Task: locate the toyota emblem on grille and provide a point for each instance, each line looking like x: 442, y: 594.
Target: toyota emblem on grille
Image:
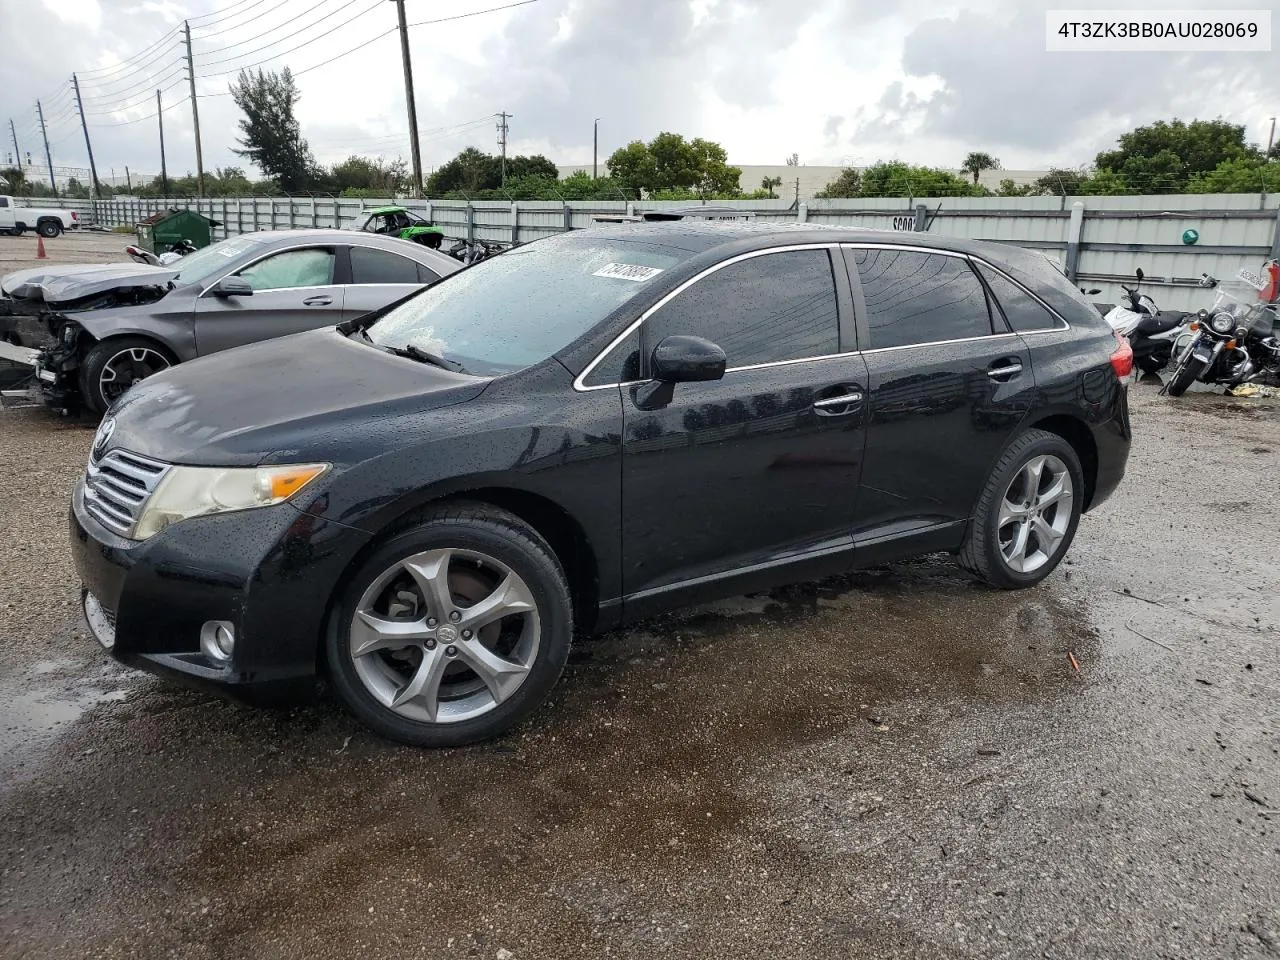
x: 103, y: 436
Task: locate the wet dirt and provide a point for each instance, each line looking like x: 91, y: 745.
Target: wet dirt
x: 897, y: 763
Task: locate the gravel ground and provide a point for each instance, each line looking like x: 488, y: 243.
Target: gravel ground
x: 893, y: 764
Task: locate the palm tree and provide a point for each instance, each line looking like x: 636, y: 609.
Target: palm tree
x: 975, y: 163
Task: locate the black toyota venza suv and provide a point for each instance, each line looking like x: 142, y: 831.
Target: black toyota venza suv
x: 425, y: 506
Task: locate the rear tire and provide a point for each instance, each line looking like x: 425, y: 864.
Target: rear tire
x: 1188, y: 372
x: 49, y: 229
x: 1027, y: 514
x: 425, y: 679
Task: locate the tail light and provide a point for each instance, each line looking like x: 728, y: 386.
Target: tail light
x: 1271, y: 291
x: 1122, y: 357
x: 74, y: 215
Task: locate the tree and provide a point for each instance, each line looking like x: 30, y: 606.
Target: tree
x: 376, y: 178
x: 473, y: 171
x: 1165, y: 156
x: 1010, y: 189
x: 1241, y: 175
x: 898, y: 179
x: 271, y: 137
x: 769, y: 183
x: 846, y: 186
x: 669, y: 163
x: 1061, y: 182
x: 975, y: 163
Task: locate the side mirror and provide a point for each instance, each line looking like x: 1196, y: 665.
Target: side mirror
x: 687, y: 360
x: 232, y: 287
x: 675, y: 360
x: 1139, y: 274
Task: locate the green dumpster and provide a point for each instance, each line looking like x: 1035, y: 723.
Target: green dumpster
x: 161, y: 231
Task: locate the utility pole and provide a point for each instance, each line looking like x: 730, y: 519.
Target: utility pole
x: 84, y: 125
x: 128, y: 181
x: 164, y: 173
x: 48, y: 157
x: 502, y: 142
x: 414, y: 147
x: 797, y: 191
x: 1270, y: 137
x: 595, y: 150
x: 195, y: 112
x: 17, y: 151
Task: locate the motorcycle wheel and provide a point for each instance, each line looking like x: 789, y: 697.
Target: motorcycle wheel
x: 1188, y: 372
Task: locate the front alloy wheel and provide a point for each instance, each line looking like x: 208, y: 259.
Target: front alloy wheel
x: 453, y: 630
x: 445, y: 635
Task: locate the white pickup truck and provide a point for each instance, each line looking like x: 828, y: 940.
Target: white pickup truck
x: 46, y: 221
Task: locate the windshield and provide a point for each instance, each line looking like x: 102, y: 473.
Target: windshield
x: 203, y: 264
x: 519, y: 308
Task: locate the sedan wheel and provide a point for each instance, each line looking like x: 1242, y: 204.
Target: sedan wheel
x: 453, y: 630
x: 112, y: 366
x: 1027, y: 514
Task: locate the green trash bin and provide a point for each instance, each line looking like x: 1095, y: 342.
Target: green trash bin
x: 161, y: 231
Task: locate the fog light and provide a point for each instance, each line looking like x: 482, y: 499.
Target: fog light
x: 218, y: 640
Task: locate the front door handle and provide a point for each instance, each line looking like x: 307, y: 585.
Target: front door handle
x: 1004, y: 370
x: 838, y: 406
x: 318, y: 301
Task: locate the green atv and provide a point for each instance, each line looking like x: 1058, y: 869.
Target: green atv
x: 405, y: 224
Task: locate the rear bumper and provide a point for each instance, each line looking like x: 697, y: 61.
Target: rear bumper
x: 1112, y: 438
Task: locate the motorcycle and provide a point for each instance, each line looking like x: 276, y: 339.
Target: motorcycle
x: 175, y: 252
x: 1151, y: 331
x: 1234, y: 341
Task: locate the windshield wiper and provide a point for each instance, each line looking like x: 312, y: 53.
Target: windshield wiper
x: 424, y: 356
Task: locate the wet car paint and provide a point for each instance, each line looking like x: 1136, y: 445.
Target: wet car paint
x: 649, y: 509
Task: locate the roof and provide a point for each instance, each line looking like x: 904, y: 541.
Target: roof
x: 358, y: 237
x: 381, y: 210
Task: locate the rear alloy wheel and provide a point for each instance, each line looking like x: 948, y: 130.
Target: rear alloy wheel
x: 459, y: 628
x: 1027, y: 514
x: 49, y: 229
x: 114, y: 365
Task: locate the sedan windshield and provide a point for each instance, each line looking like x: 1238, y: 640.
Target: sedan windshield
x: 203, y: 264
x: 521, y: 307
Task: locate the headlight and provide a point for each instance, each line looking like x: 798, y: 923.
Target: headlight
x: 194, y: 491
x: 1222, y: 323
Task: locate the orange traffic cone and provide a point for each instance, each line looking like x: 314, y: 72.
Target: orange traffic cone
x: 40, y: 254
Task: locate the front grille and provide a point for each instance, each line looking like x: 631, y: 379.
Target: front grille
x: 117, y: 486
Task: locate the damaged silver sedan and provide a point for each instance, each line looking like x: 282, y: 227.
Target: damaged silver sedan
x: 101, y: 329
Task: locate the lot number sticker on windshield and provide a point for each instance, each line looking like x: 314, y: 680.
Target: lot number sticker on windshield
x: 628, y: 271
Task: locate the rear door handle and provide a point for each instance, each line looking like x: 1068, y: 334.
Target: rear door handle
x: 1006, y: 370
x: 318, y: 301
x: 838, y: 406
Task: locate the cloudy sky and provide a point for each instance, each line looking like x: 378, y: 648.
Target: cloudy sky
x: 835, y: 81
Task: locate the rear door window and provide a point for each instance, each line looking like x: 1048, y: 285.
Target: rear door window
x: 915, y: 297
x: 778, y: 306
x: 1022, y: 310
x: 380, y: 266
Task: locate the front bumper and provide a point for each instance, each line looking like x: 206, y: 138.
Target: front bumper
x: 269, y: 572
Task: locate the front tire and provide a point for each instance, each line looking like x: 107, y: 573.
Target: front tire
x: 452, y: 631
x: 114, y: 365
x: 1188, y: 372
x: 49, y: 229
x: 1027, y: 514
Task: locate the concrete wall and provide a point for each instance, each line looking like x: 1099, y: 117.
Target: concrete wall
x: 1113, y: 237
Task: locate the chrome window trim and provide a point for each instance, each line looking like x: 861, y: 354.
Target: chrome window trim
x: 271, y: 253
x: 941, y: 343
x: 578, y: 381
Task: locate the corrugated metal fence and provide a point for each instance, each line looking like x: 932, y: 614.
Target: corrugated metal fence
x: 1099, y: 240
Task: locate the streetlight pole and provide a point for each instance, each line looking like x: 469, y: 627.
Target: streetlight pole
x: 595, y: 149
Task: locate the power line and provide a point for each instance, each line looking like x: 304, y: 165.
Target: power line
x: 224, y: 14
x: 146, y: 88
x: 126, y: 65
x: 243, y: 23
x: 302, y: 29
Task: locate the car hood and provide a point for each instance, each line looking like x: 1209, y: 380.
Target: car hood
x: 64, y: 283
x: 305, y: 398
